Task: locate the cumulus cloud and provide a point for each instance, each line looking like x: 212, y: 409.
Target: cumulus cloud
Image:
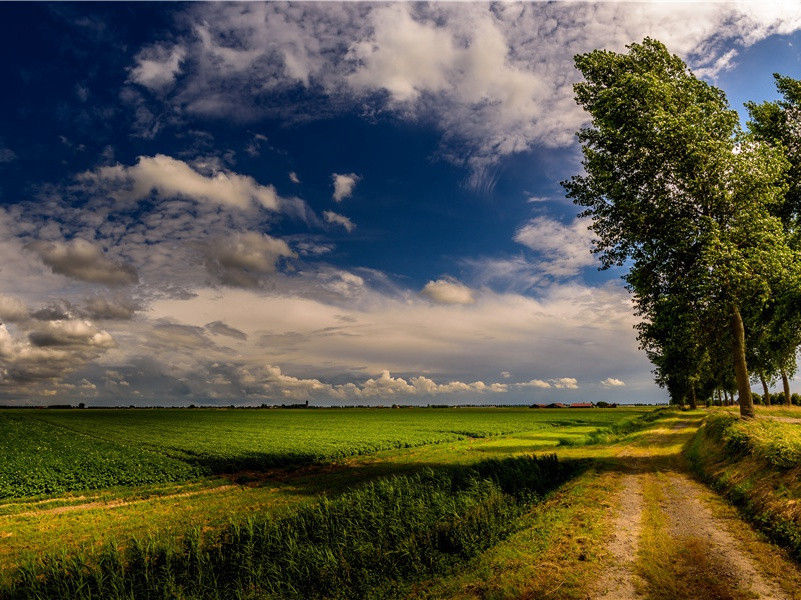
x: 241, y: 260
x: 83, y: 260
x: 563, y: 249
x: 494, y: 79
x: 344, y: 185
x: 220, y: 328
x: 332, y: 217
x: 70, y: 333
x: 169, y: 177
x: 612, y: 382
x: 565, y: 383
x: 448, y: 291
x: 50, y: 352
x: 535, y: 383
x: 157, y: 66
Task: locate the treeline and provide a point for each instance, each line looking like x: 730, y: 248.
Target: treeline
x: 703, y: 214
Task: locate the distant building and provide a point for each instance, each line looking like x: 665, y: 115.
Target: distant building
x: 581, y: 405
x: 555, y: 405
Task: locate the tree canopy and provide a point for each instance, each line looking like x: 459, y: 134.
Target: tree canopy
x: 679, y: 194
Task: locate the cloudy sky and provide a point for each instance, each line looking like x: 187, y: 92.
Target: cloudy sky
x: 341, y: 203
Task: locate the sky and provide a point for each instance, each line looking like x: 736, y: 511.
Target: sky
x: 345, y: 203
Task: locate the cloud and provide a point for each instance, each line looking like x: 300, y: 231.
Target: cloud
x: 157, y: 66
x: 535, y: 383
x: 332, y: 217
x: 564, y: 249
x: 169, y: 177
x: 448, y: 291
x: 564, y: 383
x: 70, y: 333
x: 293, y: 177
x: 241, y: 260
x: 51, y: 352
x: 220, y: 328
x: 12, y: 309
x: 611, y: 382
x: 344, y: 185
x: 492, y: 79
x: 180, y: 336
x: 83, y: 260
x: 114, y: 307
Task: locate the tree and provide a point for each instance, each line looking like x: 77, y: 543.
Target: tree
x: 677, y: 193
x: 779, y: 124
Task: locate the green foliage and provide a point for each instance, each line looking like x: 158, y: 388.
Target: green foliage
x: 367, y: 543
x: 53, y: 451
x: 679, y: 193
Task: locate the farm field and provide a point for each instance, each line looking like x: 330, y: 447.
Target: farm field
x: 619, y: 472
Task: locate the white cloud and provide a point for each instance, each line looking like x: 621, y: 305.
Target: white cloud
x: 332, y: 217
x: 169, y: 177
x: 564, y: 249
x: 493, y: 78
x: 565, y: 383
x: 536, y: 383
x: 344, y: 185
x: 157, y: 66
x: 242, y: 259
x: 612, y: 382
x: 448, y: 291
x: 83, y: 260
x: 293, y: 177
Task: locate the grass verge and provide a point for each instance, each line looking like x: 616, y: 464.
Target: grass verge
x: 751, y: 464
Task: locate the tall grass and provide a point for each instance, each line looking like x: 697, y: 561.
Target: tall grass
x: 778, y: 443
x: 367, y: 543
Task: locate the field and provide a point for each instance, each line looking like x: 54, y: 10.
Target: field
x: 56, y: 451
x: 385, y: 503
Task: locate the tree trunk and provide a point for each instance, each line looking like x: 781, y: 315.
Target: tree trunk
x: 740, y: 367
x: 693, y: 399
x: 786, y: 384
x: 766, y: 397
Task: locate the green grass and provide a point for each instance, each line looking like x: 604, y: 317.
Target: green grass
x: 368, y: 543
x: 756, y: 465
x: 776, y: 442
x: 53, y: 451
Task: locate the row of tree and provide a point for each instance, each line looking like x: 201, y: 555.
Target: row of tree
x: 705, y: 215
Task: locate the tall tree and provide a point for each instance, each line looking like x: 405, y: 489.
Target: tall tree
x: 675, y: 193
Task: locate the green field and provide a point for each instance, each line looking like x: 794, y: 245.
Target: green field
x: 468, y: 503
x: 53, y: 451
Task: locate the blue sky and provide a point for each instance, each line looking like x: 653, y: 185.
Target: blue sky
x: 345, y: 203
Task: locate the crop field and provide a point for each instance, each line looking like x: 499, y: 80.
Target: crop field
x: 53, y: 451
x: 378, y: 503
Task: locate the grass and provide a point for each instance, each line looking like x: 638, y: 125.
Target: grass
x: 367, y: 543
x: 755, y: 465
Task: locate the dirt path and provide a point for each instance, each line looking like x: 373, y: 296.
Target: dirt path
x: 618, y: 582
x: 669, y: 539
x: 690, y: 517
